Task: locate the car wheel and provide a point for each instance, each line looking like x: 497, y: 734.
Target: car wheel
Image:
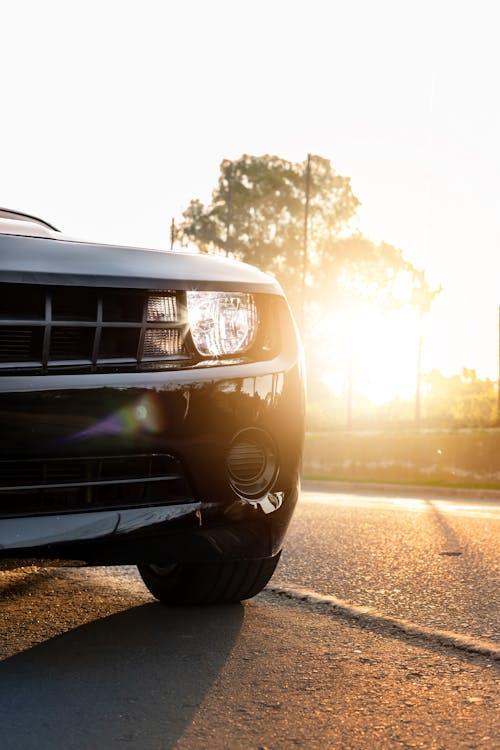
x: 208, y: 583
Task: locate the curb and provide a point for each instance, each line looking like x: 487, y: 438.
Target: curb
x: 403, y: 490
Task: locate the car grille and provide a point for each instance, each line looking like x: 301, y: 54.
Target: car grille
x: 73, y: 329
x: 69, y: 485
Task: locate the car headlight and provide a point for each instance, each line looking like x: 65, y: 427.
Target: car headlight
x: 222, y: 323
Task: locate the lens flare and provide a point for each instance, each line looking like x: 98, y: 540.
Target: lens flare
x: 142, y: 416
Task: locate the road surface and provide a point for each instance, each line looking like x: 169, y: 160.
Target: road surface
x: 377, y: 631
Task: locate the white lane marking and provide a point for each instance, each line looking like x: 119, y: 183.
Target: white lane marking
x: 400, y: 503
x: 324, y: 602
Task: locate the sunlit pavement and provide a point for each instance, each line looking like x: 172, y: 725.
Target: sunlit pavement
x: 90, y: 661
x: 428, y: 560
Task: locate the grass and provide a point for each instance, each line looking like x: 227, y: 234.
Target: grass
x: 396, y: 483
x: 468, y: 459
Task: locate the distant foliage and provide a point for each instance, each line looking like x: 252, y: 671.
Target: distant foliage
x: 460, y: 400
x: 457, y: 401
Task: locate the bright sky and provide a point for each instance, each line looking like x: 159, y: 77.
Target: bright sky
x: 115, y: 114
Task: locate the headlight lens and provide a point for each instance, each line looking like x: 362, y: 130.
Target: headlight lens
x: 222, y: 323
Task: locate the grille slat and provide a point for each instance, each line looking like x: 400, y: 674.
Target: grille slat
x: 74, y: 329
x: 36, y: 487
x: 71, y: 343
x: 97, y: 483
x: 20, y: 344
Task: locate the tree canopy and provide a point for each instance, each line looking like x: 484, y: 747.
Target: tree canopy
x: 257, y: 214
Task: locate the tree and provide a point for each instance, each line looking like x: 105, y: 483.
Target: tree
x: 257, y: 212
x: 257, y: 215
x: 354, y: 269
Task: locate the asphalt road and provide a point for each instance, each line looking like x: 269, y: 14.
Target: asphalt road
x: 428, y: 559
x: 377, y: 631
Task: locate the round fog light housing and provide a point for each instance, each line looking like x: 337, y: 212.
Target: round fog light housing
x: 252, y: 463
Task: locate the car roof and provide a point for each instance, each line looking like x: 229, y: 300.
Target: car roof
x: 19, y: 222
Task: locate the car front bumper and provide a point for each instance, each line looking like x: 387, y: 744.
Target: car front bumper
x: 192, y: 415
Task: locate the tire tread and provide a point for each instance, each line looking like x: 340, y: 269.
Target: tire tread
x: 210, y: 583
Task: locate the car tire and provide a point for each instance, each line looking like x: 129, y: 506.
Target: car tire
x: 208, y: 583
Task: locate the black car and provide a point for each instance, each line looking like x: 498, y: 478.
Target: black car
x: 151, y: 412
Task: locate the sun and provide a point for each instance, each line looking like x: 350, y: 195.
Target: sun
x: 373, y: 351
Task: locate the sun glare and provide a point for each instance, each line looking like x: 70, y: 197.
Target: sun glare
x: 373, y: 352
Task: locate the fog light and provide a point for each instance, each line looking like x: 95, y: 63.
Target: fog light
x: 162, y: 307
x: 162, y: 342
x: 252, y: 463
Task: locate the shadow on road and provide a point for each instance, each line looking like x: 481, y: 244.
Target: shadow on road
x: 133, y: 679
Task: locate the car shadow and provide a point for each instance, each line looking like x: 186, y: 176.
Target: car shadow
x: 133, y: 679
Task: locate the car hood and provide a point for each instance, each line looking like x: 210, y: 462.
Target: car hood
x: 36, y: 260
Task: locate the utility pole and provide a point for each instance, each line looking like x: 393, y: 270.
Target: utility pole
x: 419, y: 369
x: 498, y: 395
x: 306, y: 239
x: 229, y: 209
x: 172, y: 235
x: 350, y: 383
x: 422, y: 298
